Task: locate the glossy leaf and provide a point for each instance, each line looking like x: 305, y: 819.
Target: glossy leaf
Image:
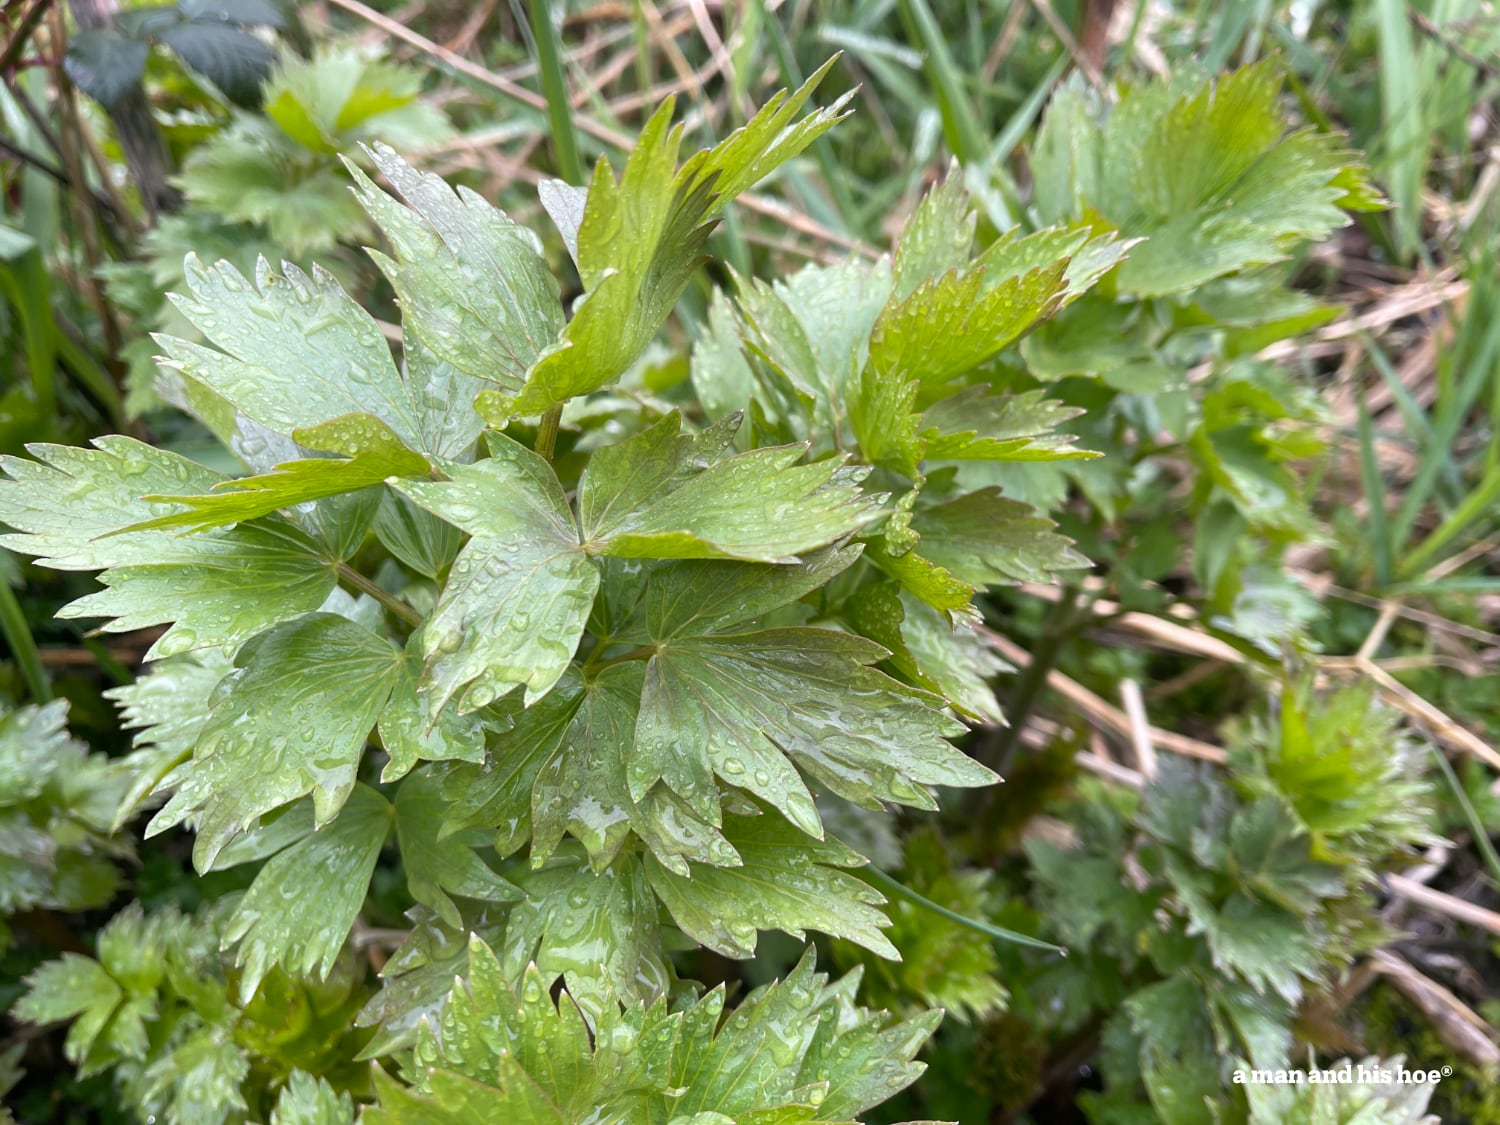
x: 519, y: 594
x: 474, y: 286
x: 785, y: 882
x: 303, y: 902
x: 631, y: 284
x: 294, y: 721
x: 599, y: 931
x: 794, y: 1051
x: 375, y: 453
x: 662, y: 495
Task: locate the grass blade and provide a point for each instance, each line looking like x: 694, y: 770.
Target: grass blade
x: 555, y: 87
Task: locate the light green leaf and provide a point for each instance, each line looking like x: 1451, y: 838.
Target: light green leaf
x: 374, y: 453
x: 519, y: 594
x: 414, y: 535
x: 700, y: 598
x: 641, y: 237
x: 436, y: 868
x: 599, y: 931
x: 814, y: 327
x: 1089, y: 256
x: 303, y: 902
x: 931, y: 651
x: 218, y: 589
x: 758, y: 506
x: 76, y: 988
x: 894, y: 552
x: 952, y: 323
x: 473, y: 285
x: 34, y: 744
x: 797, y: 1051
x: 884, y: 422
x: 786, y: 882
x: 168, y: 708
x: 294, y: 721
x: 749, y: 707
x: 306, y: 1100
x: 938, y: 237
x: 199, y: 1079
x: 342, y: 95
x: 1205, y: 172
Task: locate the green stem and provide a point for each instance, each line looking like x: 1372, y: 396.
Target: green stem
x: 351, y: 577
x: 555, y: 87
x: 546, y: 434
x: 23, y: 644
x: 881, y: 881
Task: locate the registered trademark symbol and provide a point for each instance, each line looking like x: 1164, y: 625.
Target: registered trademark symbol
x: 1447, y: 1071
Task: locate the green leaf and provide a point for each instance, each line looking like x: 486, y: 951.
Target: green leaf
x: 199, y: 1079
x: 306, y: 1100
x: 785, y: 882
x: 497, y: 794
x: 435, y: 867
x: 303, y: 902
x: 652, y: 496
x: 519, y: 594
x: 404, y: 729
x: 324, y: 359
x: 943, y: 964
x: 582, y: 789
x: 885, y: 425
x: 1087, y: 256
x: 938, y: 237
x: 632, y: 281
x: 797, y: 1051
x: 1204, y: 171
x: 414, y: 535
x: 984, y: 539
x: 76, y: 988
x: 65, y: 504
x: 893, y: 551
x: 473, y: 285
x: 930, y: 650
x: 294, y: 721
x: 34, y: 743
x: 599, y: 931
x: 951, y: 324
x: 975, y: 426
x: 168, y: 708
x: 341, y: 96
x: 814, y: 327
x: 748, y: 707
x: 218, y: 590
x: 375, y: 453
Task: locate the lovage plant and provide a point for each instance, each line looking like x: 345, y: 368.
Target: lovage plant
x: 597, y: 662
